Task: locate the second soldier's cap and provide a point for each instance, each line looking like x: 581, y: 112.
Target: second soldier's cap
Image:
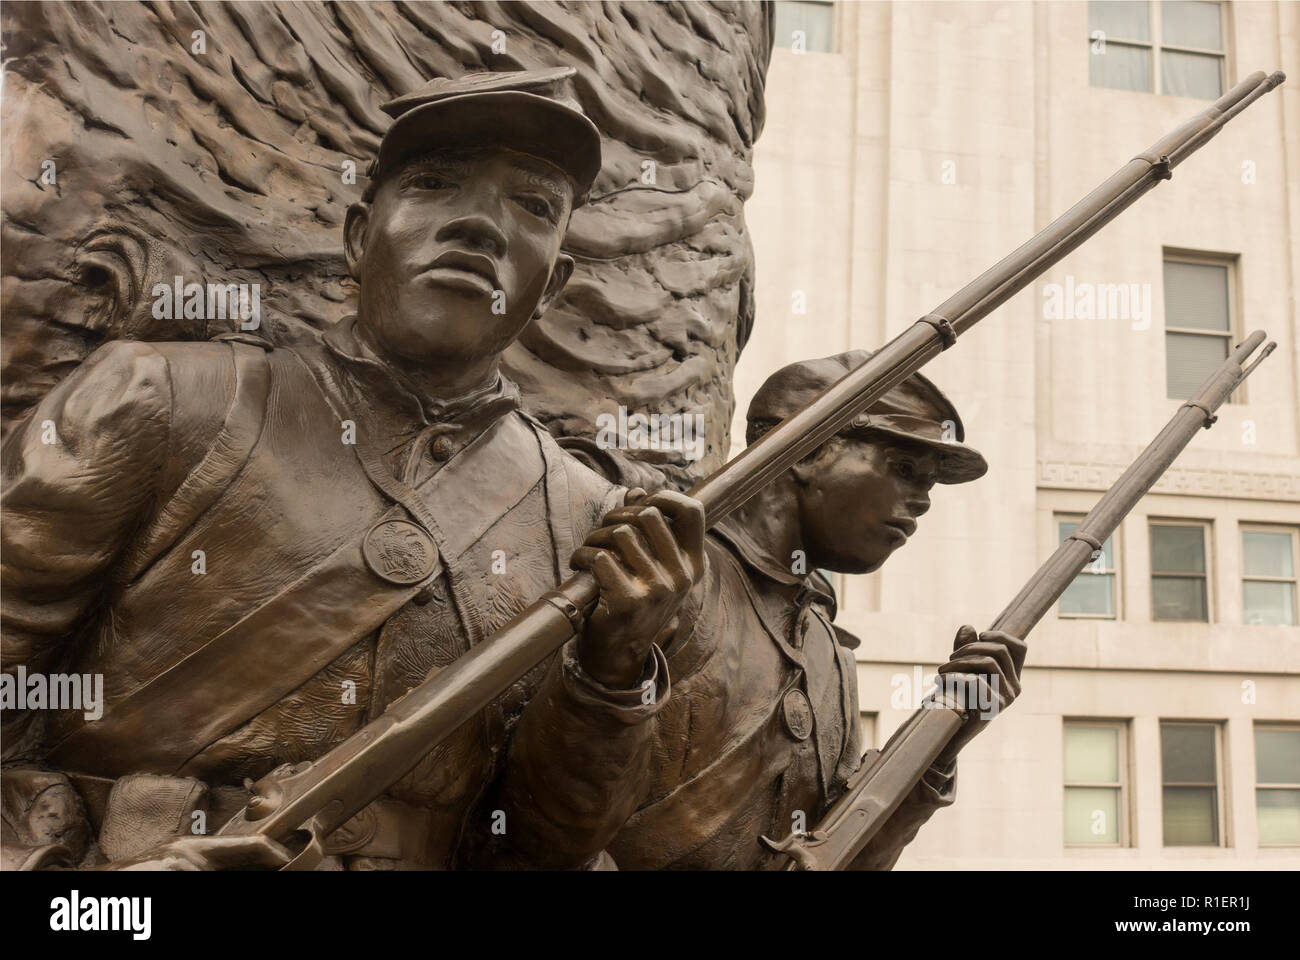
x: 915, y: 410
x: 523, y: 110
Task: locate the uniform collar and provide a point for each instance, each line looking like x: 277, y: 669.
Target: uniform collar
x: 813, y: 587
x: 495, y: 399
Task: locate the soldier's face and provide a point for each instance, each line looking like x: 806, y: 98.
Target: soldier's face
x: 860, y: 499
x: 458, y: 252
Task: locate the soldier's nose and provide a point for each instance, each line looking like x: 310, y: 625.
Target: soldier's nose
x: 476, y: 231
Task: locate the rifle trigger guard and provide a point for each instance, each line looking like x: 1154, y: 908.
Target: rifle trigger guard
x: 1210, y: 418
x: 944, y: 326
x: 567, y: 607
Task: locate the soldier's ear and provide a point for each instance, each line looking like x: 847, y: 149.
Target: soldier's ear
x: 354, y: 237
x: 560, y: 274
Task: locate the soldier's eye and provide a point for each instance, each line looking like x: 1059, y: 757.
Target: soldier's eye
x: 536, y: 206
x: 904, y: 469
x: 430, y: 181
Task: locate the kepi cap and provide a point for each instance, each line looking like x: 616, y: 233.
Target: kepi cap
x: 915, y: 410
x: 523, y: 110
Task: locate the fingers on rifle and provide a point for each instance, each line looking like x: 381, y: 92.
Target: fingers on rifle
x: 687, y: 516
x: 633, y: 553
x: 609, y: 573
x: 1017, y: 646
x: 965, y: 634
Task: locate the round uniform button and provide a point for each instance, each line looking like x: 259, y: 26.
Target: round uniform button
x: 798, y: 714
x: 400, y: 552
x: 441, y: 449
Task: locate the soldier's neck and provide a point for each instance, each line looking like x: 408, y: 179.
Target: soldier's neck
x: 771, y: 518
x: 440, y: 382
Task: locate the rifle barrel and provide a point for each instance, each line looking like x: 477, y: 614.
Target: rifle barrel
x: 361, y: 768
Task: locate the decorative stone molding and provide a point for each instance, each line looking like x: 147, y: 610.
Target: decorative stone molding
x: 1191, y: 482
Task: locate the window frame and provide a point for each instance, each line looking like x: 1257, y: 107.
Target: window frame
x: 1220, y: 786
x: 1270, y: 725
x: 1207, y: 541
x: 1250, y: 527
x: 1201, y: 258
x: 1156, y: 45
x: 1123, y: 833
x: 1113, y: 570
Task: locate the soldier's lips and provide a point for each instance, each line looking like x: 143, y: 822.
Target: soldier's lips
x: 456, y: 278
x: 460, y: 268
x: 903, y: 527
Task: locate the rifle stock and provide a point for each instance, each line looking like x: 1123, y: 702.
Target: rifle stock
x: 875, y: 791
x: 330, y: 791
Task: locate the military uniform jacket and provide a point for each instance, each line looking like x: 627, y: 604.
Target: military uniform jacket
x: 195, y: 532
x: 762, y: 731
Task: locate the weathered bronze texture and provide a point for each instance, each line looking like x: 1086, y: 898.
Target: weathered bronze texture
x: 233, y: 157
x: 260, y: 548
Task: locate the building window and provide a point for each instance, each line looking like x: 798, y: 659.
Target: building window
x: 1179, y: 586
x: 1277, y: 785
x: 1092, y: 594
x: 1198, y: 321
x: 1095, y: 801
x: 1188, y: 59
x: 804, y: 25
x: 1268, y: 566
x: 1189, y: 764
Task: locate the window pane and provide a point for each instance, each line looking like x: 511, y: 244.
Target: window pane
x: 1266, y: 604
x: 1196, y: 295
x: 1120, y: 68
x: 813, y: 19
x: 1277, y: 813
x: 1092, y: 815
x: 1267, y: 554
x: 1124, y: 20
x: 1187, y: 753
x: 1191, y: 23
x: 1277, y: 756
x: 1090, y: 594
x: 1190, y: 75
x: 1190, y: 816
x: 1177, y: 549
x: 1190, y: 358
x: 1178, y: 598
x: 1092, y: 754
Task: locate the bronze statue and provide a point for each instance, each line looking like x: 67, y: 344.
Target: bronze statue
x: 274, y: 550
x: 761, y: 733
x: 262, y: 548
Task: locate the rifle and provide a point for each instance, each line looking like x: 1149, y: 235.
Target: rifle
x: 303, y: 807
x: 874, y: 792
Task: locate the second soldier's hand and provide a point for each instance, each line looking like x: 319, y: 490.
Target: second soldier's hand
x: 646, y: 567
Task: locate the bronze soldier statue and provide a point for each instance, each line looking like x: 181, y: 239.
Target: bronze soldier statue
x: 761, y: 732
x: 261, y: 549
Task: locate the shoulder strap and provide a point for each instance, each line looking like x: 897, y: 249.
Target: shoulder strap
x: 219, y: 466
x: 293, y: 636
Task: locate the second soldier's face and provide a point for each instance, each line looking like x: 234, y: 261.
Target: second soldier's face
x: 861, y: 499
x: 457, y: 252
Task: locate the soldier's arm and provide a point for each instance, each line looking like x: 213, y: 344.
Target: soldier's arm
x: 579, y: 762
x: 78, y: 475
